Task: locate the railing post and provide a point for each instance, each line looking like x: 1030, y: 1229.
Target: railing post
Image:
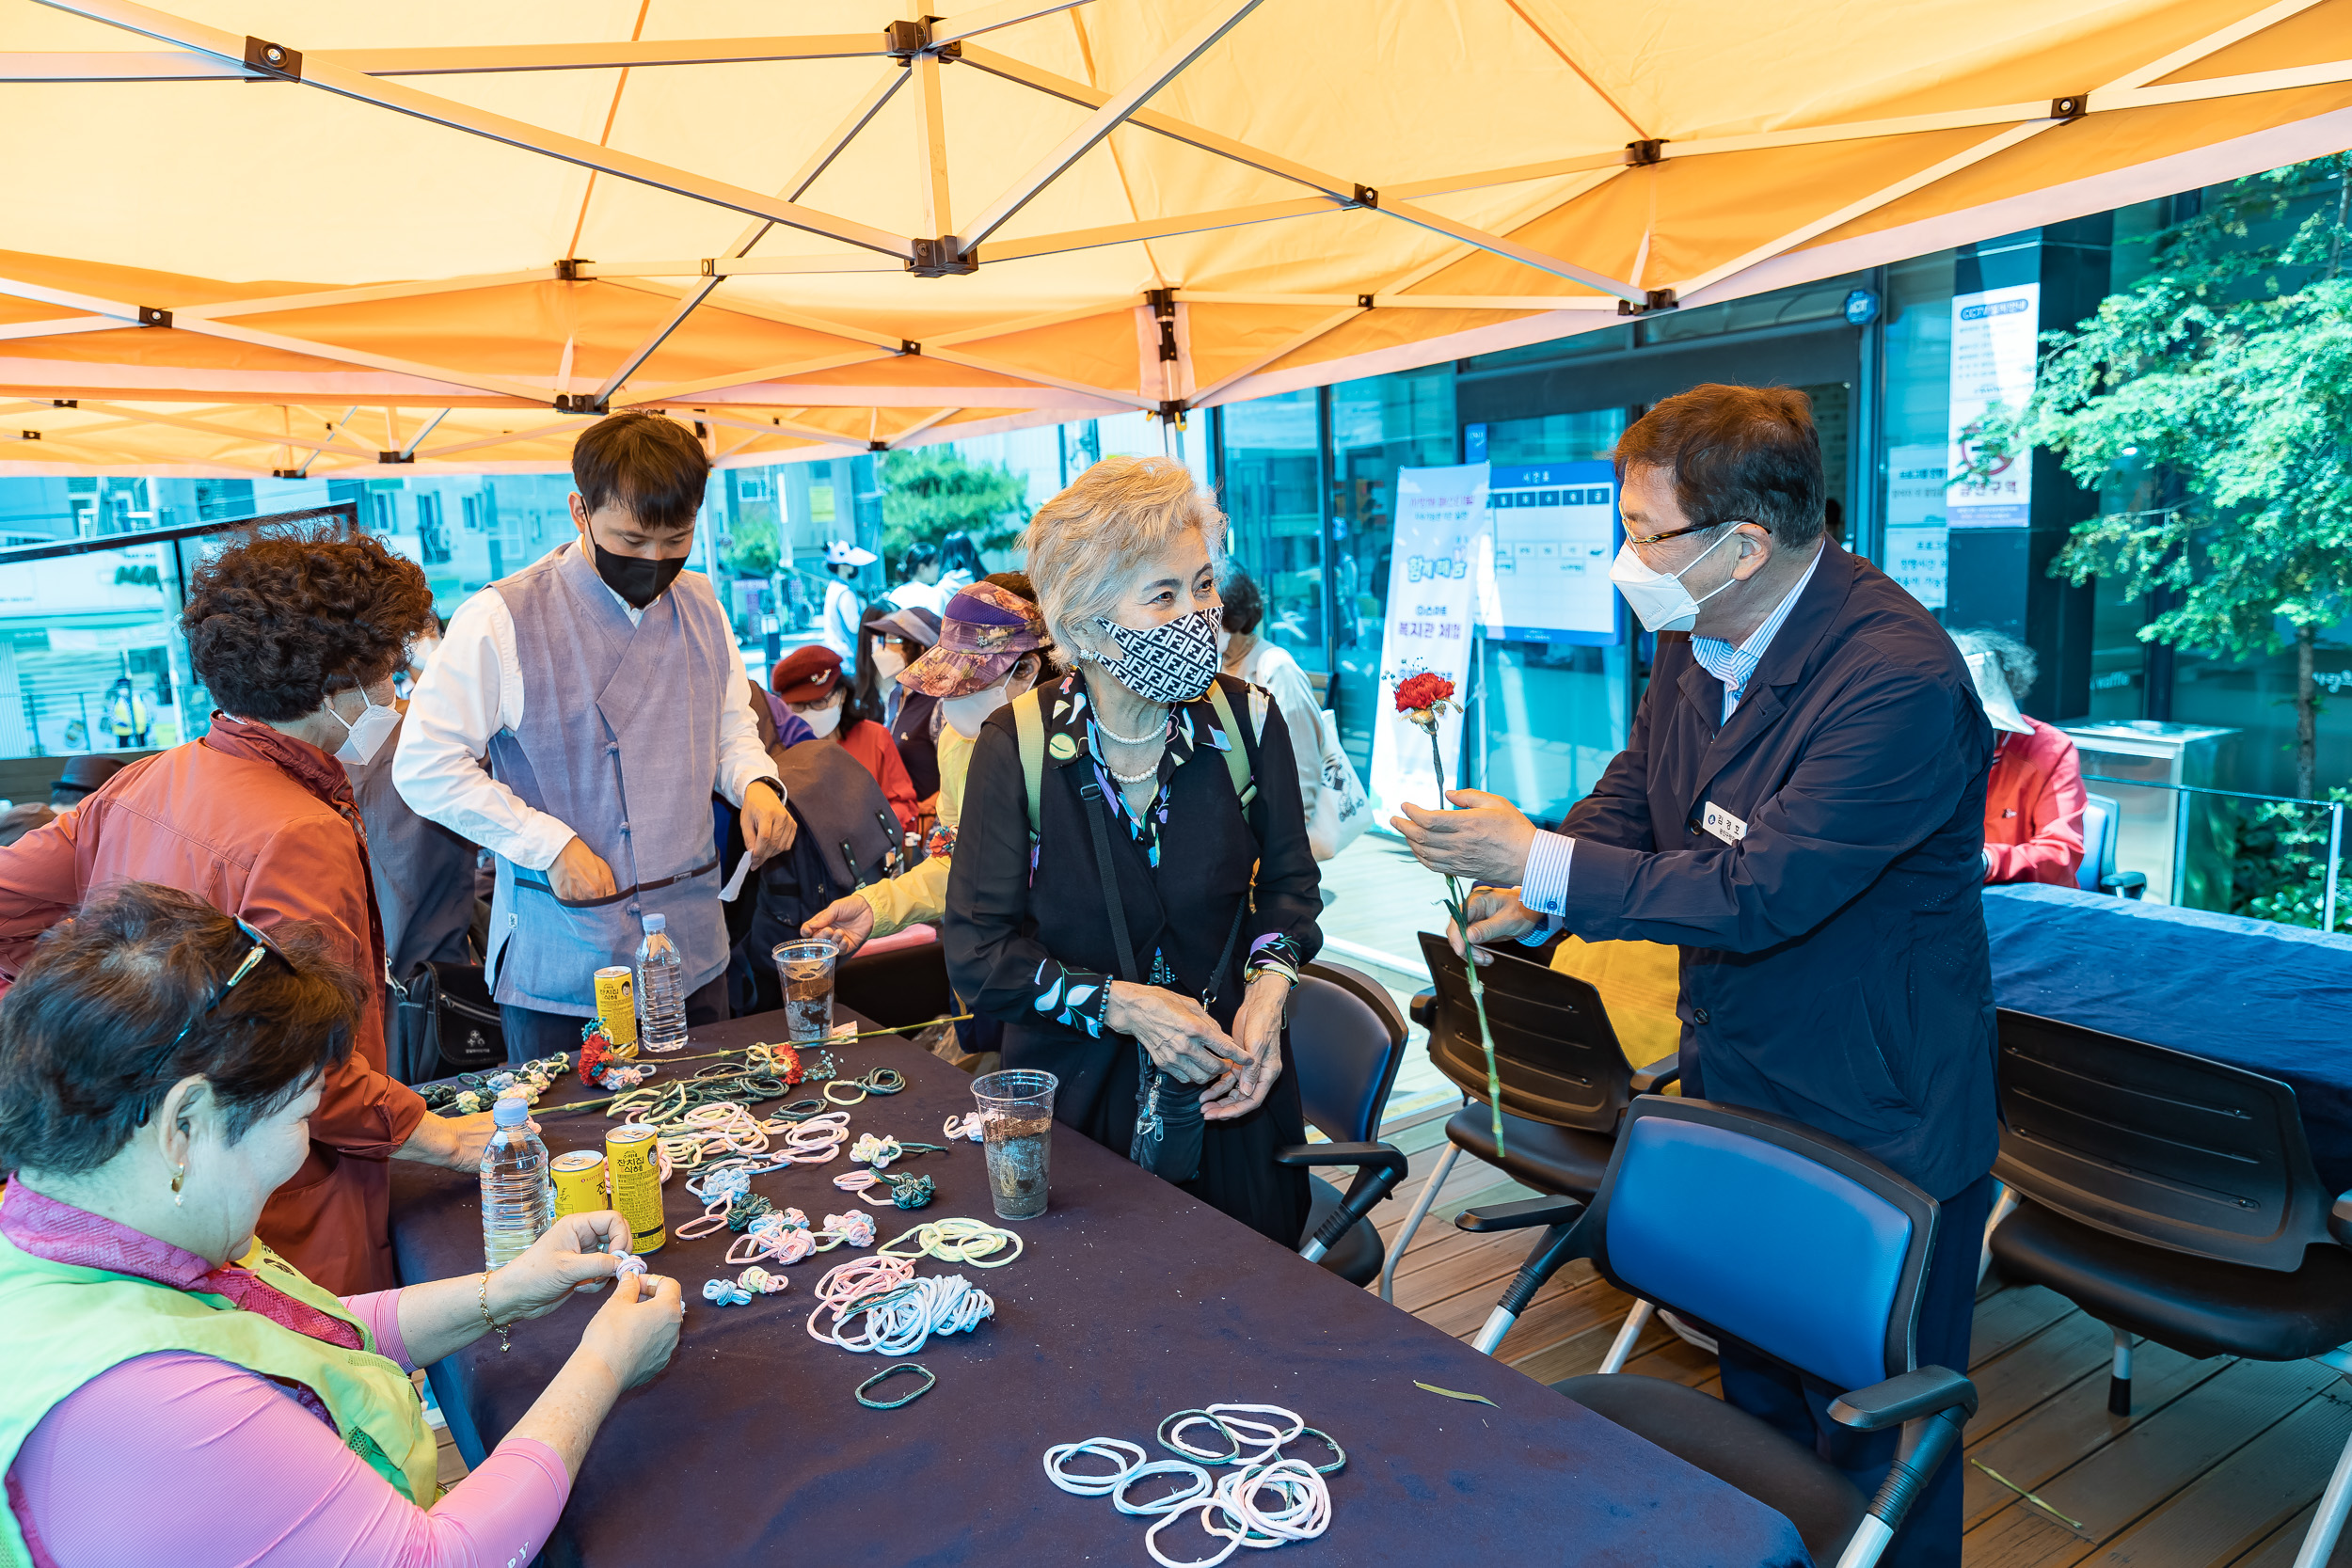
x: 2335, y: 855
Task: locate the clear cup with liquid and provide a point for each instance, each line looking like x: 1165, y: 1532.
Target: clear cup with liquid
x: 1016, y: 1133
x: 805, y: 968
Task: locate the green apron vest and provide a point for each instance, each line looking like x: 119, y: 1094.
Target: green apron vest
x: 64, y: 1325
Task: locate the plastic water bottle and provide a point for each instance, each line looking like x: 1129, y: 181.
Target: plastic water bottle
x: 661, y: 988
x: 516, y: 1202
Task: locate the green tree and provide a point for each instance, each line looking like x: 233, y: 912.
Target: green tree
x: 754, y: 548
x: 930, y: 492
x: 2215, y: 395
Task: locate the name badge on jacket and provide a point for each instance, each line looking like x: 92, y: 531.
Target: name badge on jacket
x: 1723, y: 824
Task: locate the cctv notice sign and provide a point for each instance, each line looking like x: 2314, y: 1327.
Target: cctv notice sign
x: 1993, y: 359
x: 1441, y: 528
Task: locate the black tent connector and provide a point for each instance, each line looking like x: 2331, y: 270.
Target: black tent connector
x: 2072, y: 106
x: 274, y: 61
x: 395, y: 458
x: 939, y: 258
x: 1643, y: 154
x: 1656, y: 300
x: 152, y: 316
x: 578, y: 403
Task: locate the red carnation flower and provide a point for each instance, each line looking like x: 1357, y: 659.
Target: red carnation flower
x: 1424, y: 690
x: 594, y: 1050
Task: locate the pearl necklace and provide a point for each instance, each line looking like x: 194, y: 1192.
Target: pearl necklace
x: 1110, y: 733
x: 1148, y: 773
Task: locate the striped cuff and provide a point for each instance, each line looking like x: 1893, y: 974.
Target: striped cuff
x: 1545, y: 888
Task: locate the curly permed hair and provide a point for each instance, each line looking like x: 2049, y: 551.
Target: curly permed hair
x: 278, y: 621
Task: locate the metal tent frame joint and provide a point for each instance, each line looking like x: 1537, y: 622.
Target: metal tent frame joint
x: 2072, y: 106
x: 272, y: 62
x: 939, y: 257
x: 567, y: 268
x: 1640, y: 155
x: 1367, y: 195
x: 581, y: 403
x: 395, y: 458
x: 1654, y: 299
x: 154, y: 315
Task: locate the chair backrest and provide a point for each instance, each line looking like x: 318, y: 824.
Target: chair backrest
x: 2099, y: 816
x: 2158, y: 1145
x: 1555, y: 1054
x: 1782, y: 1237
x: 1347, y: 1039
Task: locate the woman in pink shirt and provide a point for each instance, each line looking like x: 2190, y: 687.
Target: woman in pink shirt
x: 158, y: 1062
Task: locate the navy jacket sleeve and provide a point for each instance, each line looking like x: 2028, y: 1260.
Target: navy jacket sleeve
x: 1883, y: 770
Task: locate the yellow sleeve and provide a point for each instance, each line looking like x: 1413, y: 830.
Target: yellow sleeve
x: 955, y: 763
x: 921, y: 895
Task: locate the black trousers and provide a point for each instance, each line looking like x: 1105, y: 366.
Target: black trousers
x: 1799, y: 1405
x: 531, y: 1034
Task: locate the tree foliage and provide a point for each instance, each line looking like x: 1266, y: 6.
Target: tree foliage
x: 755, y: 547
x: 2215, y: 395
x: 930, y: 492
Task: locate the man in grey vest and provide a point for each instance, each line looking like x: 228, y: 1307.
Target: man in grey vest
x: 603, y: 686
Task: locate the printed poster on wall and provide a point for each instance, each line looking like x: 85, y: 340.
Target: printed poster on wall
x: 1993, y: 359
x: 1440, y: 529
x: 1544, y: 575
x: 1916, y: 506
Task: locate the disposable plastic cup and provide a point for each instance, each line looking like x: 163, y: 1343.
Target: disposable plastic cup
x: 805, y: 967
x: 1016, y: 1131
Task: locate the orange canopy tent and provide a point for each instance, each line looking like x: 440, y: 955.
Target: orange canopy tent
x: 258, y: 236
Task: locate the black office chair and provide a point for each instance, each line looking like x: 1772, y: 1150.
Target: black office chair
x: 2172, y: 1198
x: 1347, y: 1040
x: 1566, y: 1082
x: 1792, y: 1241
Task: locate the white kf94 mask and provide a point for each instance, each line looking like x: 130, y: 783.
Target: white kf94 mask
x: 1658, y: 598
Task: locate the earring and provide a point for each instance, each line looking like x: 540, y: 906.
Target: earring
x: 177, y: 1176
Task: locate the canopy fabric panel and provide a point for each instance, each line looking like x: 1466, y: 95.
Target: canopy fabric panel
x: 257, y: 236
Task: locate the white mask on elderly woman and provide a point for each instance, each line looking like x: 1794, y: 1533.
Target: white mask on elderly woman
x: 888, y: 661
x: 966, y: 714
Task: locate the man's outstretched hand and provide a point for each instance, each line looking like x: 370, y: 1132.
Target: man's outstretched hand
x: 1486, y: 841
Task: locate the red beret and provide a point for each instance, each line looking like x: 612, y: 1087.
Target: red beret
x: 805, y: 675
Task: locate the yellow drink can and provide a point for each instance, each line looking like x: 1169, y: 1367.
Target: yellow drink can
x: 629, y: 1155
x: 579, y: 1182
x: 616, y: 1008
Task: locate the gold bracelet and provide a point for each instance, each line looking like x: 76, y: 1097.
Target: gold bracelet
x: 483, y: 1295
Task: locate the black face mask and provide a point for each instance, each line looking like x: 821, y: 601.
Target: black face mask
x: 637, y: 580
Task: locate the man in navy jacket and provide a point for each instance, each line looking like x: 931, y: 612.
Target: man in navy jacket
x: 1800, y: 809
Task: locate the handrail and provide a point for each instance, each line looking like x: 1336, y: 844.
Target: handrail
x: 2335, y: 830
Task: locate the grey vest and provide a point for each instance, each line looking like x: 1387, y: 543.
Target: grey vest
x: 619, y: 742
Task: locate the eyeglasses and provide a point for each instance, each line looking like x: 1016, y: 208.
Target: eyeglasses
x: 1678, y: 533
x: 260, y: 949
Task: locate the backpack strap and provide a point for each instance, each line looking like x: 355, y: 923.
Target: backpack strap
x: 1028, y: 723
x: 1236, y: 761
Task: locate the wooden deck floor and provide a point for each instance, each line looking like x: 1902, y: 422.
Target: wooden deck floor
x: 2218, y: 1466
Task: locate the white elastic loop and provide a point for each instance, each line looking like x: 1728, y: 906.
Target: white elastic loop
x: 1152, y: 1542
x: 1091, y: 1486
x: 1200, y: 1488
x: 1263, y: 1435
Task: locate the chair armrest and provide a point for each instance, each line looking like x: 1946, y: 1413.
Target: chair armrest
x: 1422, y: 1005
x: 1665, y: 1071
x: 1381, y: 1156
x: 1522, y: 1215
x: 1923, y: 1391
x: 1379, y: 1169
x: 2340, y: 1220
x: 2128, y: 884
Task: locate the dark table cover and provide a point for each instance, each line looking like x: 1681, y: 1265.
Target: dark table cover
x: 2274, y: 999
x: 1130, y: 1301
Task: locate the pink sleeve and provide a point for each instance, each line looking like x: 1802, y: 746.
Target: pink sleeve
x: 380, y: 1311
x: 198, y: 1432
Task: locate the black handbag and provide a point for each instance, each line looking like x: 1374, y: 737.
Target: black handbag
x: 446, y: 1022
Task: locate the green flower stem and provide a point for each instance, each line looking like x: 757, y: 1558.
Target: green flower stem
x: 1457, y: 905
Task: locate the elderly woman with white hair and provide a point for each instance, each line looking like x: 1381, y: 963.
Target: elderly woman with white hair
x: 1133, y: 891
